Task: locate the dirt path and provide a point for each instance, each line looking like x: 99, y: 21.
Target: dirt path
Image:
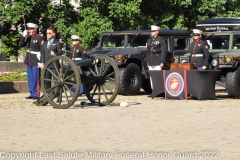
x: 147, y: 129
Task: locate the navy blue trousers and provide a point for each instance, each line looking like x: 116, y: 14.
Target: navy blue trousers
x: 33, y: 81
x: 81, y: 88
x: 200, y: 67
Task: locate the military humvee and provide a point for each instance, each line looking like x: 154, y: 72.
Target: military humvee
x: 128, y: 49
x: 223, y: 37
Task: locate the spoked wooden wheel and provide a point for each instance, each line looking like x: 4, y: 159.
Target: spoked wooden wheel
x: 105, y: 73
x: 59, y: 76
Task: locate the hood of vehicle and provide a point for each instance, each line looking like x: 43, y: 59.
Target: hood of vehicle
x: 99, y: 52
x: 232, y: 52
x: 131, y: 51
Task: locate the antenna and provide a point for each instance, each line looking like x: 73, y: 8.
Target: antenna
x: 24, y: 21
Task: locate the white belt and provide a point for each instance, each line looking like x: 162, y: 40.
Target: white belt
x: 34, y: 52
x: 37, y: 53
x: 76, y: 59
x: 197, y: 55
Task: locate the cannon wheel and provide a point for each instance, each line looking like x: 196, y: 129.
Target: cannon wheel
x: 60, y: 95
x: 106, y: 90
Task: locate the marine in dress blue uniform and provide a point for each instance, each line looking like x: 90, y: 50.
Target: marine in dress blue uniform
x: 157, y: 51
x: 33, y: 42
x: 199, y: 50
x: 77, y: 53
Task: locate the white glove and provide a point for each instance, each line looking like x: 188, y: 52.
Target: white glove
x: 204, y: 67
x: 40, y: 65
x: 25, y: 33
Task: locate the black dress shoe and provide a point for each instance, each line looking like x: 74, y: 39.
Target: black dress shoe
x: 29, y: 97
x: 34, y: 97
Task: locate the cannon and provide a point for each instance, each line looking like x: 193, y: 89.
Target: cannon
x: 99, y: 76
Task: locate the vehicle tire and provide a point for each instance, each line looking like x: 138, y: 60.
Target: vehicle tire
x: 233, y: 83
x: 130, y: 80
x: 146, y: 85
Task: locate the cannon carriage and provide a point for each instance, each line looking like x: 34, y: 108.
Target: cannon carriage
x: 99, y: 76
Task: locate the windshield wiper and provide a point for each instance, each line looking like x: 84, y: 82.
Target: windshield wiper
x: 109, y: 36
x: 209, y: 36
x: 134, y: 37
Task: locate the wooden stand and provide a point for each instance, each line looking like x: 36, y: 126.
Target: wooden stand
x: 182, y: 66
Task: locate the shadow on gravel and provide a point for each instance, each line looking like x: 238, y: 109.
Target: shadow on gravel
x: 91, y: 105
x: 221, y: 94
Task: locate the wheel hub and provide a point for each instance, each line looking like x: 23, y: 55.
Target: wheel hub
x: 101, y: 80
x: 60, y: 82
x: 132, y: 80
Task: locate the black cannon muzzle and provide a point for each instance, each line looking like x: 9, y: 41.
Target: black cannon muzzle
x: 85, y: 63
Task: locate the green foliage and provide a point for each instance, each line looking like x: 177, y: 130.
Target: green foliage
x: 63, y: 16
x: 22, y: 52
x: 11, y: 44
x: 16, y: 75
x: 185, y: 13
x: 91, y: 26
x: 13, y: 13
x: 124, y: 13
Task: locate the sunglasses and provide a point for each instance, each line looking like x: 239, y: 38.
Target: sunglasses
x: 196, y: 34
x: 49, y: 33
x: 74, y: 39
x: 30, y: 28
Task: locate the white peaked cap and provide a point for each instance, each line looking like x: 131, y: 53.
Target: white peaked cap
x: 154, y: 28
x: 197, y: 31
x: 75, y: 37
x: 32, y: 25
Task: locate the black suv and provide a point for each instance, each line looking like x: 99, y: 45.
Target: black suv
x: 128, y: 49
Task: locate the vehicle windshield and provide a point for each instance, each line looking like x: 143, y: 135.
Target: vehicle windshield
x: 112, y: 41
x: 218, y: 41
x: 134, y: 40
x: 138, y: 41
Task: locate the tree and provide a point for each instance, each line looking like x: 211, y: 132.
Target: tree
x: 10, y: 45
x: 44, y: 13
x: 176, y: 14
x: 124, y: 13
x: 90, y: 27
x: 97, y: 16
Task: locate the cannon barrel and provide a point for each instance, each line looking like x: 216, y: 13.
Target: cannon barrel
x: 85, y: 63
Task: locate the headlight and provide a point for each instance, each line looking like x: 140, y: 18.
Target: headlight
x: 228, y: 59
x: 214, y: 63
x: 121, y: 58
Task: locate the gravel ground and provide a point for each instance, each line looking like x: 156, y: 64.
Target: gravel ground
x: 146, y: 129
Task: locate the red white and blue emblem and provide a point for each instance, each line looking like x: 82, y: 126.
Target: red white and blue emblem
x: 174, y: 84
